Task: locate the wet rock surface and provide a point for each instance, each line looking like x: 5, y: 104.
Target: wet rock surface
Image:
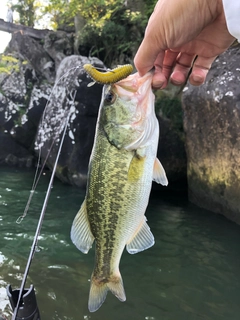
x: 31, y: 50
x: 172, y: 154
x: 71, y: 99
x: 212, y: 127
x: 25, y: 91
x: 13, y: 154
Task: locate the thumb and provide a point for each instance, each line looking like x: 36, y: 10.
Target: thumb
x: 146, y: 56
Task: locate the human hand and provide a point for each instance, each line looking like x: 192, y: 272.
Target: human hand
x: 183, y: 34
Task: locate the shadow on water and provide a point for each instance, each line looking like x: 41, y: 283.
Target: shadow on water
x: 191, y: 273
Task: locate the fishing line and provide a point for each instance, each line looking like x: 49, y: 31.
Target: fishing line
x: 35, y: 182
x: 37, y: 175
x: 37, y: 233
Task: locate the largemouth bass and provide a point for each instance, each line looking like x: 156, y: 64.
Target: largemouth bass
x: 122, y: 166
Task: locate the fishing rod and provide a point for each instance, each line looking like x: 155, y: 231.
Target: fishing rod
x: 23, y: 301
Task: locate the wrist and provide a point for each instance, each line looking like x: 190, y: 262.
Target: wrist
x: 214, y: 8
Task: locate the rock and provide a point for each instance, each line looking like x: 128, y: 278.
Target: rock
x: 17, y: 103
x: 58, y: 44
x: 71, y: 97
x: 14, y: 87
x: 24, y: 132
x: 212, y: 127
x: 172, y: 154
x: 21, y: 106
x: 31, y: 50
x: 12, y: 153
x: 9, y: 113
x: 171, y: 147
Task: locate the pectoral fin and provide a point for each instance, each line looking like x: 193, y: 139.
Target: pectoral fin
x: 136, y: 168
x: 142, y: 239
x: 159, y: 174
x: 81, y: 234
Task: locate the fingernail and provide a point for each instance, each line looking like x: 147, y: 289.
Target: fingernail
x: 197, y: 78
x: 158, y: 85
x: 176, y: 83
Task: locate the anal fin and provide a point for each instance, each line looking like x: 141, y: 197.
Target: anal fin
x: 81, y: 234
x: 142, y: 239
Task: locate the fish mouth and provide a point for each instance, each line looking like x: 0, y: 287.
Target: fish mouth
x: 134, y: 84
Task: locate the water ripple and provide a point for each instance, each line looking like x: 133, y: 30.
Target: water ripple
x: 191, y: 273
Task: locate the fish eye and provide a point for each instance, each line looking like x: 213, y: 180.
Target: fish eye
x: 110, y: 97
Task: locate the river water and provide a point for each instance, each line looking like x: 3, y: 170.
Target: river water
x: 192, y: 272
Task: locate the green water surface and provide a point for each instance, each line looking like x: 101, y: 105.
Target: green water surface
x: 191, y: 273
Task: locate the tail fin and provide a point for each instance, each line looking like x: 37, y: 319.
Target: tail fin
x: 99, y: 290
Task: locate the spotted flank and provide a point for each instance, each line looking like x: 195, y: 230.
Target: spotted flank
x: 111, y: 76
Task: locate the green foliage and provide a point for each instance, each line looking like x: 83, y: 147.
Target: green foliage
x: 8, y: 64
x: 27, y: 12
x: 61, y: 12
x: 112, y: 33
x: 111, y: 43
x: 112, y: 29
x: 170, y: 107
x: 149, y: 5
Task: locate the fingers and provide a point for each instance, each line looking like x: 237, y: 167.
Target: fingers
x: 160, y: 77
x: 182, y: 68
x: 146, y: 56
x: 161, y: 74
x: 169, y: 62
x: 174, y: 64
x: 176, y: 67
x: 152, y: 49
x: 163, y: 68
x: 200, y: 70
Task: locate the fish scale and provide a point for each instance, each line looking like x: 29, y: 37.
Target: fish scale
x: 113, y: 202
x: 121, y: 169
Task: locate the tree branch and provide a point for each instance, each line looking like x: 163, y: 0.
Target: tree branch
x: 28, y: 31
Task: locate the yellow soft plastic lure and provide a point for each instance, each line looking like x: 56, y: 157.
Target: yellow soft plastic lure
x: 110, y: 76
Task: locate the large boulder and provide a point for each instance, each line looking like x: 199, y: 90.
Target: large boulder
x: 212, y: 127
x: 25, y: 130
x: 13, y: 102
x: 12, y: 153
x: 171, y: 147
x: 71, y: 98
x: 172, y: 154
x: 31, y: 50
x: 58, y: 44
x: 25, y: 91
